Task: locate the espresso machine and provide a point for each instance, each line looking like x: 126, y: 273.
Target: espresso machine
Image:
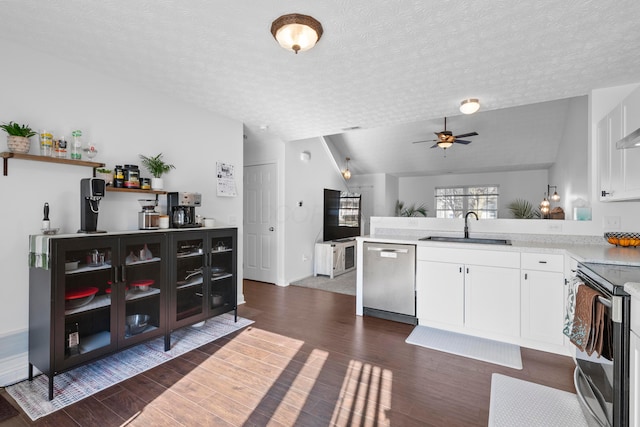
x: 181, y: 208
x: 91, y: 192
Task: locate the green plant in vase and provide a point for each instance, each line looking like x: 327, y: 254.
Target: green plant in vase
x: 156, y: 167
x: 18, y: 137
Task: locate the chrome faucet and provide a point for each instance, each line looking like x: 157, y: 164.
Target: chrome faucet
x: 466, y: 225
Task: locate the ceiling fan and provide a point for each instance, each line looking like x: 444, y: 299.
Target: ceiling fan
x: 446, y: 138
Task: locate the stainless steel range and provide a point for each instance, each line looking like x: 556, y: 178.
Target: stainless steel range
x: 602, y: 381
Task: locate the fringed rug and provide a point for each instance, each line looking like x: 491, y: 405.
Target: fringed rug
x: 518, y: 403
x: 497, y: 352
x: 74, y: 385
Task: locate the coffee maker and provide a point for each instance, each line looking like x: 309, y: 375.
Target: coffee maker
x: 91, y: 192
x: 181, y: 207
x: 148, y: 218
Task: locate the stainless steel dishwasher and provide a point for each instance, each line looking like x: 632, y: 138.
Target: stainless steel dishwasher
x: 388, y: 285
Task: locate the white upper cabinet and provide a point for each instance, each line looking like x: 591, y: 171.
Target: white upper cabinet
x: 619, y: 174
x: 631, y: 156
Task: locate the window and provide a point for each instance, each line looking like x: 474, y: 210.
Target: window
x: 455, y: 202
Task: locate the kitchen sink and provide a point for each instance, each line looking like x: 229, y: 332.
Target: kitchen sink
x: 467, y: 240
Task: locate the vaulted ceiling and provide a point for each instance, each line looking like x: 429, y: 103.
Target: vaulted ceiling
x: 379, y: 65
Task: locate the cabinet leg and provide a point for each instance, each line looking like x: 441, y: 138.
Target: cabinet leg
x: 50, y: 386
x: 30, y: 371
x: 167, y: 342
x: 235, y: 314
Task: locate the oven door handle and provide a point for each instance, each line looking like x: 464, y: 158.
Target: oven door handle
x: 605, y: 301
x: 583, y: 400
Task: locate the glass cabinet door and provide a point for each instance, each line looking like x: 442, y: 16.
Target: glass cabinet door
x: 187, y: 279
x: 84, y: 273
x: 141, y: 289
x: 221, y: 293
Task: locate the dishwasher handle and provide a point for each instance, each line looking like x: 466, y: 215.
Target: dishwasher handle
x: 388, y: 250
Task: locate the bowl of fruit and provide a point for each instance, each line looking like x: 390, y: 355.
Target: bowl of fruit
x: 623, y: 239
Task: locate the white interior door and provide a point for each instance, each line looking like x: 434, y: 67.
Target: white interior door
x: 260, y: 243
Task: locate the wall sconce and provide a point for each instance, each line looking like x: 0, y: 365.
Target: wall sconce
x: 545, y: 205
x: 469, y: 106
x: 346, y: 173
x: 296, y: 32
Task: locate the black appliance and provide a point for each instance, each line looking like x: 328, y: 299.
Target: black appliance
x: 181, y: 208
x: 602, y: 383
x: 91, y: 192
x: 341, y: 215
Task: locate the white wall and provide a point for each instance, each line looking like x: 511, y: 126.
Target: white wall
x: 527, y: 185
x: 570, y: 171
x: 124, y: 121
x: 305, y: 182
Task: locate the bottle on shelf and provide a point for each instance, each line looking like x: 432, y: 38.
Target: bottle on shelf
x: 46, y: 143
x: 76, y: 145
x: 72, y: 339
x: 60, y: 148
x: 118, y: 177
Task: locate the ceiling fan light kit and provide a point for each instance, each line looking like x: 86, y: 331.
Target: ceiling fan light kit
x: 446, y: 138
x: 296, y: 32
x: 469, y: 106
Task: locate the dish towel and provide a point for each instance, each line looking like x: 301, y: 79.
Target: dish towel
x: 587, y: 330
x: 39, y: 251
x: 570, y: 305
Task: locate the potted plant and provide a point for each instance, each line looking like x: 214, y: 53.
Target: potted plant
x: 411, y: 210
x: 105, y: 174
x: 523, y: 209
x: 18, y: 137
x: 157, y: 167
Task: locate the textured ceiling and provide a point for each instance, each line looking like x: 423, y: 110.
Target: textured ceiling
x: 379, y: 63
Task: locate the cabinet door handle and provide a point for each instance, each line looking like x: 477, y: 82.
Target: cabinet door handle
x: 460, y: 269
x: 123, y: 275
x: 467, y: 270
x: 542, y: 262
x: 526, y: 276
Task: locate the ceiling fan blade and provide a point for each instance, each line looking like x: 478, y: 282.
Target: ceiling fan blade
x: 462, y: 141
x: 434, y: 146
x: 464, y: 135
x: 426, y: 140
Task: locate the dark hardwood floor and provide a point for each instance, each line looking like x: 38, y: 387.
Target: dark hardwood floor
x: 307, y: 361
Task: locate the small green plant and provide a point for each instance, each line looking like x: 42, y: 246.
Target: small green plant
x: 14, y: 129
x: 523, y: 209
x: 412, y: 210
x: 102, y: 170
x: 155, y: 165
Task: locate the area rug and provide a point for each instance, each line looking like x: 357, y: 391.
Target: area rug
x: 6, y: 410
x: 517, y: 403
x: 74, y: 385
x: 496, y: 352
x: 343, y: 284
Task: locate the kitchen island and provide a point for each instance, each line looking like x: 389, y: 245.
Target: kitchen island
x: 512, y: 293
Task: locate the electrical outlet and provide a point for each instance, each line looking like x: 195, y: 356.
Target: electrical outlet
x: 611, y: 222
x: 554, y: 226
x: 305, y: 257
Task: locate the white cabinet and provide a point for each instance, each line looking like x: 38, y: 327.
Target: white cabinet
x: 440, y: 290
x: 334, y: 258
x: 631, y: 156
x: 542, y: 298
x: 478, y: 293
x: 619, y: 175
x: 634, y: 363
x: 634, y: 380
x: 492, y: 297
x: 608, y: 132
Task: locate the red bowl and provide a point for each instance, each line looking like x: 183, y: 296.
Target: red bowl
x: 142, y: 285
x: 78, y: 297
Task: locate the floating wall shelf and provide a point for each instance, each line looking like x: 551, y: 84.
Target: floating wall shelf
x: 6, y: 155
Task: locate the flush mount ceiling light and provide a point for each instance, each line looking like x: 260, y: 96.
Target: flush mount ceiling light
x: 469, y: 106
x: 296, y: 32
x: 346, y: 173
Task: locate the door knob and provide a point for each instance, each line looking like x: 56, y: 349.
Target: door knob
x: 271, y: 228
